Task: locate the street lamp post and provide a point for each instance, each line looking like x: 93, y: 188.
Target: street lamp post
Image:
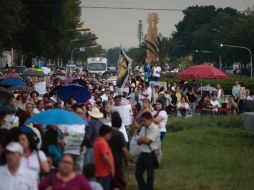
x: 85, y: 39
x: 241, y: 47
x: 81, y: 49
x: 77, y: 30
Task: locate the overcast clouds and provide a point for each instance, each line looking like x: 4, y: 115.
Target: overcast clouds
x: 119, y: 27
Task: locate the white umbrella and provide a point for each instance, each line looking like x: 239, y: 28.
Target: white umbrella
x: 207, y: 89
x: 46, y: 70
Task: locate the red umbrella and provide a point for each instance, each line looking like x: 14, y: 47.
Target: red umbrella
x: 203, y: 71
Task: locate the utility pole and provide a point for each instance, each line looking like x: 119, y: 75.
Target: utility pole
x: 242, y: 47
x: 140, y: 32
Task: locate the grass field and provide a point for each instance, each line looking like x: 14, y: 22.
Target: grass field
x: 205, y: 152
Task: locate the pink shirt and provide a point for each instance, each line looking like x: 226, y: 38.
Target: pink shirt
x: 78, y: 183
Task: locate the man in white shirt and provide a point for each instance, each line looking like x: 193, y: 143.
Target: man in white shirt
x: 105, y: 96
x: 149, y: 140
x: 13, y: 176
x: 148, y: 92
x: 236, y: 89
x: 125, y: 111
x: 215, y: 104
x: 156, y: 72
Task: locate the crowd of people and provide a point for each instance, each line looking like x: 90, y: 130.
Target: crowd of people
x: 35, y: 156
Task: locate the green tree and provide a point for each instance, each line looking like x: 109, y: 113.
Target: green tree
x: 46, y: 23
x: 113, y: 55
x: 10, y: 23
x: 194, y: 18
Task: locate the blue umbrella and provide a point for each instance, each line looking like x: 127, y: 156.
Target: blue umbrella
x: 12, y: 81
x: 57, y: 117
x: 78, y: 92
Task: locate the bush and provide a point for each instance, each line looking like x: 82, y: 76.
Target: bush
x: 226, y: 84
x: 179, y: 124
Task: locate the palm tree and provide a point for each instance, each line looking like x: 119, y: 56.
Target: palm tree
x: 162, y: 47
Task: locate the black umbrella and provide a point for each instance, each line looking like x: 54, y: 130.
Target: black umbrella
x: 80, y: 82
x: 33, y: 73
x: 5, y: 94
x: 7, y: 109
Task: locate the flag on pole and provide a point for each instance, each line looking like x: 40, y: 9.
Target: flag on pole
x: 124, y: 65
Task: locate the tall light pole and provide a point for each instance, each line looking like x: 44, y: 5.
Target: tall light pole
x: 219, y: 31
x: 84, y: 39
x: 241, y: 47
x: 78, y: 30
x: 81, y: 49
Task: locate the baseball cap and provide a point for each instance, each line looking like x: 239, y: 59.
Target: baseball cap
x: 14, y: 147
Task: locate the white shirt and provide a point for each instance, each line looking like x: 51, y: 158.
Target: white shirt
x: 32, y: 162
x: 149, y: 93
x: 249, y: 98
x: 125, y: 113
x: 157, y: 71
x: 152, y: 133
x: 22, y: 180
x: 36, y: 111
x: 162, y: 124
x: 183, y: 105
x: 122, y: 129
x: 104, y: 97
x: 215, y: 105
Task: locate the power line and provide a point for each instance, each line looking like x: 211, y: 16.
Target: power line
x: 117, y: 8
x: 107, y: 7
x: 130, y: 8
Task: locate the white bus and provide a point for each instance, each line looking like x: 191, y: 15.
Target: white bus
x: 97, y: 65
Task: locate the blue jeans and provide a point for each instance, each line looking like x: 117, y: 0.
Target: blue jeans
x: 193, y: 106
x: 105, y: 182
x: 155, y: 79
x: 145, y: 163
x: 162, y: 136
x: 88, y: 157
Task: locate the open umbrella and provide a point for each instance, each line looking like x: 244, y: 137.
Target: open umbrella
x: 10, y: 75
x: 203, y: 71
x: 21, y: 88
x: 70, y: 79
x: 12, y: 81
x: 57, y: 117
x: 33, y: 73
x: 5, y: 94
x: 207, y: 89
x: 46, y: 70
x: 78, y: 92
x: 7, y: 109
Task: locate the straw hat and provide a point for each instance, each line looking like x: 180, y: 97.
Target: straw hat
x: 95, y: 113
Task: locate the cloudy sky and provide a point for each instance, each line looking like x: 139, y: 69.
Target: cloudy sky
x: 115, y: 27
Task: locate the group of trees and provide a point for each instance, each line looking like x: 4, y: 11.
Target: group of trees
x: 39, y: 28
x: 199, y: 34
x: 204, y: 28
